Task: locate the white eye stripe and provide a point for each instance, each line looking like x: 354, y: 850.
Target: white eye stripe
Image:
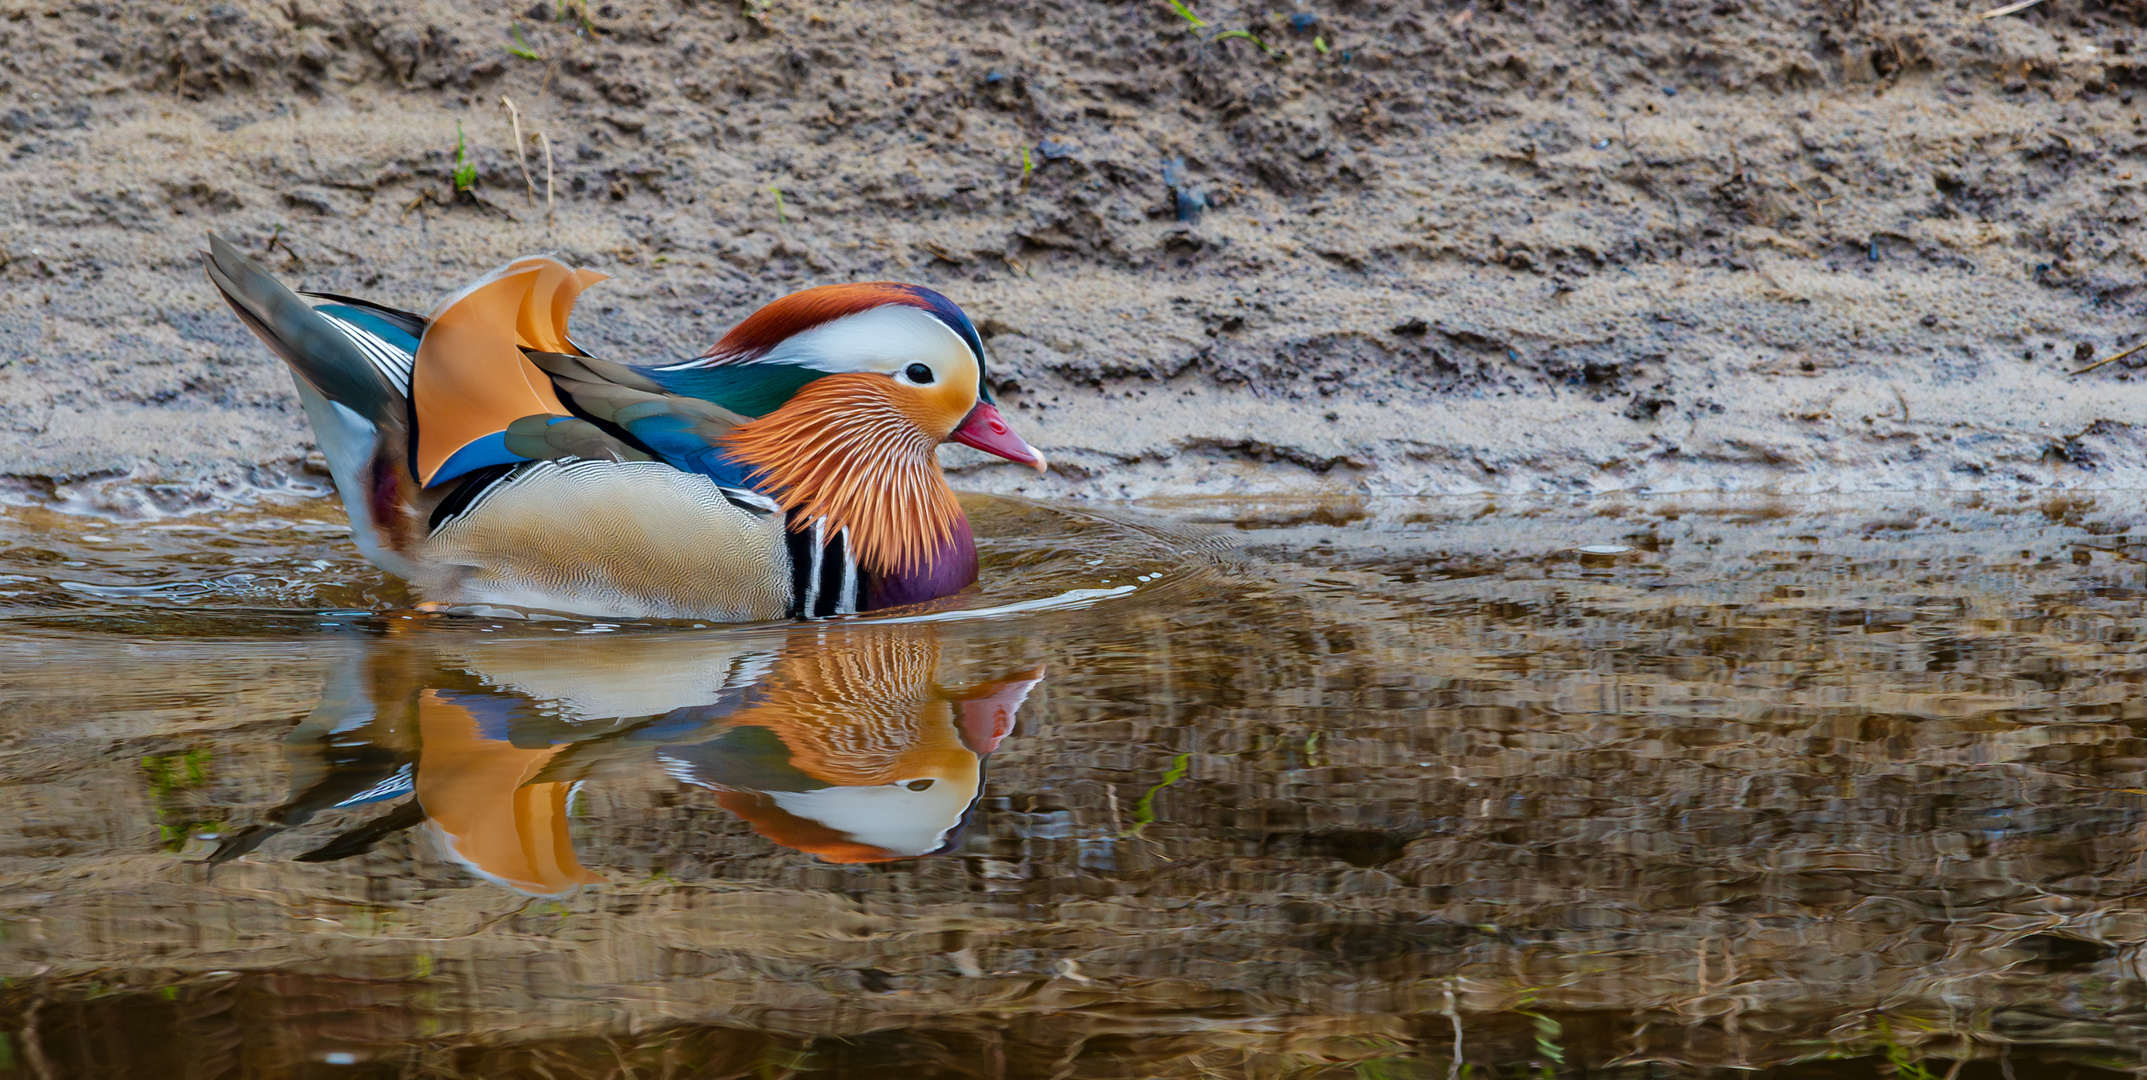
x: 885, y: 339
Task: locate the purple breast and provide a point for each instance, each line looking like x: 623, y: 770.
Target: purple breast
x: 950, y: 570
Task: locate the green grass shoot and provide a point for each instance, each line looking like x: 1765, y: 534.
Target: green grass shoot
x: 521, y: 47
x: 1186, y: 13
x: 780, y: 216
x: 1144, y: 812
x: 465, y: 174
x: 1247, y: 35
x: 1320, y: 43
x: 172, y: 772
x: 1904, y: 1063
x: 1027, y: 166
x: 168, y: 776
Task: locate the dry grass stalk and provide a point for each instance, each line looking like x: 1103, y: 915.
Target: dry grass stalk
x: 547, y: 144
x: 2111, y: 359
x: 521, y: 157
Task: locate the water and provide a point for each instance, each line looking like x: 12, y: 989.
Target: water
x: 1647, y: 787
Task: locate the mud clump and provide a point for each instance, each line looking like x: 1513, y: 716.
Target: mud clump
x: 1488, y: 246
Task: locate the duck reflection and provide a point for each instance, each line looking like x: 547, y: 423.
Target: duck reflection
x: 838, y: 741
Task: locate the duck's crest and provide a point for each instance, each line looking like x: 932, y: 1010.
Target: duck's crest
x: 792, y: 315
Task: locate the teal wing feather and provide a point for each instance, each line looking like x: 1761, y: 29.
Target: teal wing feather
x: 749, y: 389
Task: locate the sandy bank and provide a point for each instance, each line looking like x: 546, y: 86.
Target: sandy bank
x: 1562, y: 246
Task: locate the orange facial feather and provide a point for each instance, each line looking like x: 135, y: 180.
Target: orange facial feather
x: 857, y: 450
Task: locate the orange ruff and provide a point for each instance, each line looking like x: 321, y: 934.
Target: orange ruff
x: 844, y: 449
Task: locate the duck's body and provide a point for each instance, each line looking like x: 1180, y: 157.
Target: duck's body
x: 787, y: 472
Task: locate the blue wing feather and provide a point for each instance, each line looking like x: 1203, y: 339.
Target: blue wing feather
x: 490, y: 450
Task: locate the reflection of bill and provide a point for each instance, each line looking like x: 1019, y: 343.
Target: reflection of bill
x: 841, y: 743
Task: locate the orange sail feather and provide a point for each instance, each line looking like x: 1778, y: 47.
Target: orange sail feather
x: 471, y: 379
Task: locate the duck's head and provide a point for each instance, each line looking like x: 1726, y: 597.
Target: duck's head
x: 851, y: 389
x: 892, y: 349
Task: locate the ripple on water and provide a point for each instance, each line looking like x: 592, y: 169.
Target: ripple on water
x: 1286, y: 788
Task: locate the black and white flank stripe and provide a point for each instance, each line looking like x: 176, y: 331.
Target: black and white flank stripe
x: 823, y: 576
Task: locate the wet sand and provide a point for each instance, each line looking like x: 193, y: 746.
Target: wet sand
x: 1484, y: 247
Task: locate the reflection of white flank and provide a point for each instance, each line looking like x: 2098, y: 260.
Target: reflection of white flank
x: 889, y: 817
x: 632, y: 675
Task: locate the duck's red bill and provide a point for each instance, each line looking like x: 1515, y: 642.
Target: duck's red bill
x: 986, y: 430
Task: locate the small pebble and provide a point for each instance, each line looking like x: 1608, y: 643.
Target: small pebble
x: 1603, y: 549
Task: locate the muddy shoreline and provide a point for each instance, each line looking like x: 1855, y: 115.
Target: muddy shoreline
x: 1504, y: 247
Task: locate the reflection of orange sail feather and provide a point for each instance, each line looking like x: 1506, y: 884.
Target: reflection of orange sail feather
x: 475, y: 792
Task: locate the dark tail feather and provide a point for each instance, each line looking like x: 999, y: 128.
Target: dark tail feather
x: 361, y: 839
x: 240, y: 843
x: 315, y: 349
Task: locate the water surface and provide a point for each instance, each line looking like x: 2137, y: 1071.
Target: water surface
x: 1398, y: 788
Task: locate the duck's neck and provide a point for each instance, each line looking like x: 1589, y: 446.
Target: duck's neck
x: 838, y: 452
x: 948, y: 570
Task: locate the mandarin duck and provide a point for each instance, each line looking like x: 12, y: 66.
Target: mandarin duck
x: 845, y: 746
x: 788, y: 471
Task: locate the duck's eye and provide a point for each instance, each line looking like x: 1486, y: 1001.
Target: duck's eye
x: 919, y: 374
x: 918, y: 785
